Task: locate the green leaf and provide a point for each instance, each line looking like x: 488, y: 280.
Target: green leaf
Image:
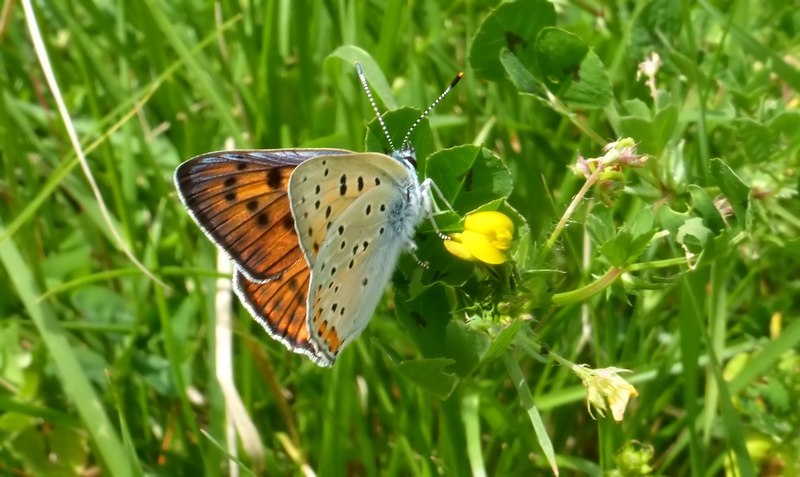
x: 570, y: 70
x: 631, y: 240
x: 757, y: 140
x: 429, y: 374
x: 600, y: 225
x: 426, y: 319
x: 558, y: 55
x: 523, y: 242
x: 469, y: 176
x: 101, y: 305
x: 732, y: 187
x: 12, y: 355
x: 36, y: 449
x: 616, y: 250
x: 660, y: 20
x: 640, y: 129
x: 519, y: 74
x: 637, y: 108
x: 704, y: 205
x: 664, y: 126
x: 156, y: 372
x: 377, y: 80
x: 642, y: 226
x: 694, y: 235
x: 650, y: 133
x: 423, y: 316
x: 514, y: 26
x: 671, y: 219
x: 464, y: 346
x: 502, y: 341
x: 786, y: 123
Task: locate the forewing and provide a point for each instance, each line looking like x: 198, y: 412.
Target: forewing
x: 239, y: 199
x: 322, y: 188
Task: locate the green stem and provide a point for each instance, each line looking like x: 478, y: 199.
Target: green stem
x: 589, y: 290
x: 669, y: 262
x: 560, y: 359
x: 570, y: 210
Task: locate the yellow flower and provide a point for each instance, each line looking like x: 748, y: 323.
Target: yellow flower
x: 486, y: 237
x: 605, y: 390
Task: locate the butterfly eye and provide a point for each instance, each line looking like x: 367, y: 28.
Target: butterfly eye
x: 407, y: 155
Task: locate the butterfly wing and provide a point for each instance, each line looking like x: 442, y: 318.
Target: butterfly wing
x: 238, y: 198
x: 324, y: 188
x: 352, y: 248
x: 279, y: 306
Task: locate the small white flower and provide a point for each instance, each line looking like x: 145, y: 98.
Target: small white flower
x: 650, y: 66
x: 606, y: 389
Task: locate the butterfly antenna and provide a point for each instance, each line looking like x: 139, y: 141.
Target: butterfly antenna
x: 433, y: 105
x: 363, y: 80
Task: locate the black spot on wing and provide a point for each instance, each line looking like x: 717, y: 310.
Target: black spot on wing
x: 274, y: 178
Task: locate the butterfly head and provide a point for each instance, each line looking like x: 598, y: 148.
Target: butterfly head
x: 407, y: 155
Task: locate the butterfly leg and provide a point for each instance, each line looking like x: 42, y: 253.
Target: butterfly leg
x: 433, y: 187
x: 412, y: 250
x: 429, y: 205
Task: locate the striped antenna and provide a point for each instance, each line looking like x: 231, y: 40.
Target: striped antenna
x: 433, y: 105
x: 363, y: 80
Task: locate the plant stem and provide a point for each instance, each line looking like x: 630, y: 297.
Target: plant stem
x: 570, y: 210
x: 589, y: 290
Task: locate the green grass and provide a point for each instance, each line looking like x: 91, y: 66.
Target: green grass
x: 683, y: 271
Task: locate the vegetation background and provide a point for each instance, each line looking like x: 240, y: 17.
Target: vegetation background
x: 691, y: 261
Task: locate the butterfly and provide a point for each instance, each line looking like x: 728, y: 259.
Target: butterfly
x: 314, y: 234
